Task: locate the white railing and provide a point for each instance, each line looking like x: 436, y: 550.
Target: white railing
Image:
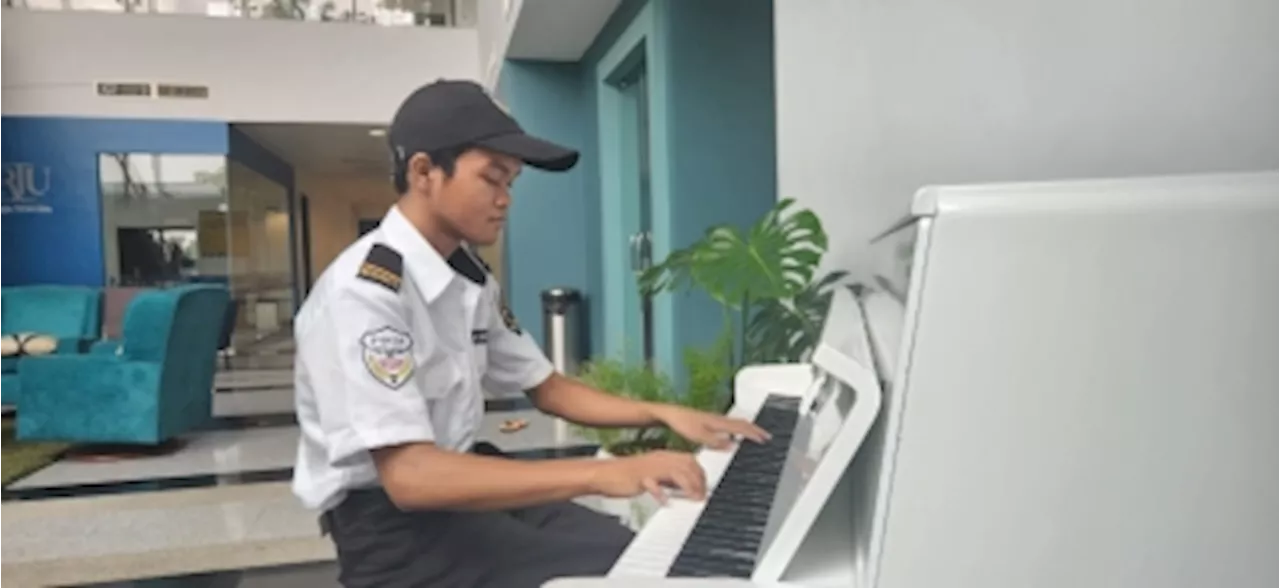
x: 433, y: 13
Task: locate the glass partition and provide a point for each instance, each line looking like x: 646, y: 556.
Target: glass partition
x: 153, y: 208
x: 260, y: 253
x: 169, y: 219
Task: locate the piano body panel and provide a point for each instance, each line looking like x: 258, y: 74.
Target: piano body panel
x: 830, y: 556
x: 1089, y: 388
x: 891, y: 318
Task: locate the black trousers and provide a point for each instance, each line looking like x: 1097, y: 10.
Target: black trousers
x: 380, y: 545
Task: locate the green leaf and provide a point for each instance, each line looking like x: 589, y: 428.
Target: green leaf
x: 765, y: 273
x: 774, y: 259
x: 710, y: 373
x: 786, y: 330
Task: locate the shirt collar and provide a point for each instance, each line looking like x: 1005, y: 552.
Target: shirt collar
x: 431, y: 273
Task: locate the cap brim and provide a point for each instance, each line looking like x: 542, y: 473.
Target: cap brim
x: 533, y: 151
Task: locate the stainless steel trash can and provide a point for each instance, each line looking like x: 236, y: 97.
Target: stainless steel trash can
x: 561, y: 331
x: 562, y: 328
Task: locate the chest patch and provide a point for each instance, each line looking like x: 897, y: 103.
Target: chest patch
x: 386, y: 355
x: 480, y: 336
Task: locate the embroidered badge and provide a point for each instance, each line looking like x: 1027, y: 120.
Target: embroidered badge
x: 383, y: 266
x: 509, y: 319
x: 480, y: 336
x: 387, y: 357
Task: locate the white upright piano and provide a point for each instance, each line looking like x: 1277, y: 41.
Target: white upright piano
x: 1048, y: 385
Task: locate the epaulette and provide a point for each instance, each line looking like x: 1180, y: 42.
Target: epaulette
x: 383, y: 266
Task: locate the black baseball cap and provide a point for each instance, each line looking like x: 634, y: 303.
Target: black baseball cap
x: 452, y: 113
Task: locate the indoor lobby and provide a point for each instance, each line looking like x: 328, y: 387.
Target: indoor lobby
x: 995, y: 274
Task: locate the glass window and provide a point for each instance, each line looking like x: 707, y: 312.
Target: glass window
x: 155, y: 209
x: 436, y: 13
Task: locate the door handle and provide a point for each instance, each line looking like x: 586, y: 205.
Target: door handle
x: 646, y: 250
x: 634, y: 252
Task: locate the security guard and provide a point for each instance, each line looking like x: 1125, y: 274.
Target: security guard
x: 395, y: 345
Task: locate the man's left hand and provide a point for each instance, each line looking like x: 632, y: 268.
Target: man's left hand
x: 707, y: 429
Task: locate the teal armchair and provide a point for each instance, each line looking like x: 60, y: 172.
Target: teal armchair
x: 71, y: 314
x: 154, y: 384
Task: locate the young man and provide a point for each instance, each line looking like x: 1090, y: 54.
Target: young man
x: 396, y: 343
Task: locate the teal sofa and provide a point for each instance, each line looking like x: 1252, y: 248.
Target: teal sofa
x: 72, y: 314
x: 152, y: 385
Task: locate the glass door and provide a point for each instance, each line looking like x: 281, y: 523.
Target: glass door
x: 637, y: 207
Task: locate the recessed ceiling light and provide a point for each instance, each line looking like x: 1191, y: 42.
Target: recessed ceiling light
x: 377, y: 132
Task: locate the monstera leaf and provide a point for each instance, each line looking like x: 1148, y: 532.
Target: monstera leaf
x: 785, y: 330
x: 775, y: 259
x: 765, y: 275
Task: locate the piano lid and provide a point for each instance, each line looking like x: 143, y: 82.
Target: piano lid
x: 1238, y: 190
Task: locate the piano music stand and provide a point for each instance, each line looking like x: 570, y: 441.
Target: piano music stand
x: 811, y: 521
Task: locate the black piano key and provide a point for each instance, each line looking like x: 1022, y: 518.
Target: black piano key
x: 726, y: 539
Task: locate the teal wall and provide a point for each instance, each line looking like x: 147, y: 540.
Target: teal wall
x: 721, y: 139
x: 558, y: 101
x: 710, y: 68
x: 553, y: 228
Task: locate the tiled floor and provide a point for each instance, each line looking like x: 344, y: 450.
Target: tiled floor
x: 101, y: 538
x: 312, y: 575
x: 220, y: 504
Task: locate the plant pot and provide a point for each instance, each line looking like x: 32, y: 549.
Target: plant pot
x: 632, y: 512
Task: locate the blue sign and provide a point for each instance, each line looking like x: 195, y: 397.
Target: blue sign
x: 51, y: 207
x: 25, y: 185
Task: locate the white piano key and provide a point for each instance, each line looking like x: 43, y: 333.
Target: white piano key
x: 658, y: 544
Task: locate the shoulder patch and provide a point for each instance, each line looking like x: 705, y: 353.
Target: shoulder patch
x: 383, y: 266
x: 386, y: 356
x: 509, y: 318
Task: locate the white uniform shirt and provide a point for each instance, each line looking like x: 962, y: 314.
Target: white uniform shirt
x: 395, y: 344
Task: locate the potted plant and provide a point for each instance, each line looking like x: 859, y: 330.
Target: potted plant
x: 709, y: 375
x: 764, y: 276
x: 763, y: 280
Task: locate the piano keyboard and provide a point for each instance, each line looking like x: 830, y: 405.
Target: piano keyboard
x: 721, y: 536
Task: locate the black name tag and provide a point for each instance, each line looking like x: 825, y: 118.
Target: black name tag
x: 480, y: 336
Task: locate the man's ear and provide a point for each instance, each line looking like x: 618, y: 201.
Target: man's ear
x: 420, y: 168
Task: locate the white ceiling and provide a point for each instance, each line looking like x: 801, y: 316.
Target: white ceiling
x: 323, y: 148
x: 548, y: 30
x: 558, y: 30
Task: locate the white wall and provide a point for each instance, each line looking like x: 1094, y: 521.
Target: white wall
x: 257, y: 70
x: 876, y: 99
x: 336, y: 204
x: 495, y: 23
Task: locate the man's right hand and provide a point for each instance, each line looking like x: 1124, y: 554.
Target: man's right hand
x: 650, y: 472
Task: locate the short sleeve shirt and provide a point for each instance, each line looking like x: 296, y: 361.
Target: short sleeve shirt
x: 397, y: 344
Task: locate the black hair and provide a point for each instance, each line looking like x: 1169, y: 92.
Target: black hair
x: 445, y: 159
